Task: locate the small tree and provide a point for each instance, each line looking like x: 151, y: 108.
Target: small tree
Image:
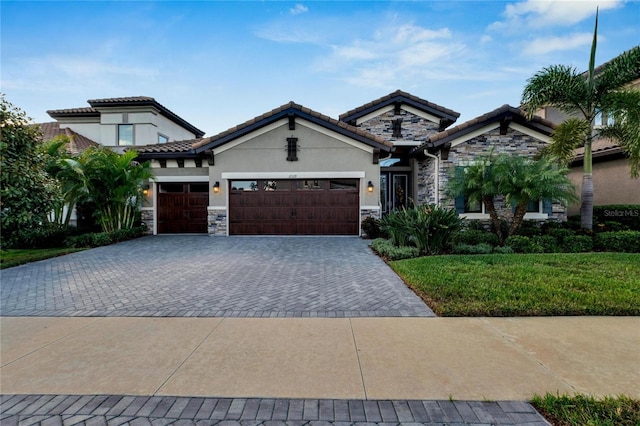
x: 114, y: 182
x: 519, y: 179
x: 27, y: 192
x: 69, y: 172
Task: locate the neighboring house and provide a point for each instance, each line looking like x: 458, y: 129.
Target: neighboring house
x: 612, y: 182
x: 120, y: 123
x: 294, y: 171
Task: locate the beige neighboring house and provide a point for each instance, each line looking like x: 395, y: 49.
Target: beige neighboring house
x: 612, y: 182
x: 295, y: 171
x: 119, y: 123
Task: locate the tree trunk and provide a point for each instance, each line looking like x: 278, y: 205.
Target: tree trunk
x: 586, y: 196
x: 518, y: 217
x: 489, y: 206
x: 586, y: 206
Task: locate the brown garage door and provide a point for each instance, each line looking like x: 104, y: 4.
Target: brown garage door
x: 294, y: 207
x: 182, y: 208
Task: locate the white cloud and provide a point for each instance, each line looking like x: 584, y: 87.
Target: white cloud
x: 553, y: 44
x: 550, y: 13
x: 298, y: 9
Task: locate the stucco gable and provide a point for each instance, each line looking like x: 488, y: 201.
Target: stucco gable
x: 399, y: 99
x: 292, y: 112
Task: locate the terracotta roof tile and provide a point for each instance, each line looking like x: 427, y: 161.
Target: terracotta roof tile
x: 599, y: 147
x: 185, y: 146
x: 85, y: 112
x: 398, y: 94
x: 77, y: 143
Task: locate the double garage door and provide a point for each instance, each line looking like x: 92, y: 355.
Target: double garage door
x: 265, y: 207
x: 294, y: 207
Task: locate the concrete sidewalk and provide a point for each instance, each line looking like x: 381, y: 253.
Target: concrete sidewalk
x: 343, y: 358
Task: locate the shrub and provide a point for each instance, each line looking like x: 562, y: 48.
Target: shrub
x: 522, y: 244
x: 50, y: 235
x: 625, y: 215
x: 371, y: 227
x: 560, y: 234
x: 577, y: 244
x: 503, y: 250
x: 548, y: 243
x: 622, y: 241
x: 530, y: 228
x: 428, y: 227
x: 388, y: 250
x: 481, y: 248
x: 472, y: 237
x: 98, y: 239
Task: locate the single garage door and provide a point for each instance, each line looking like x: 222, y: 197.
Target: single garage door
x: 294, y: 207
x: 182, y: 208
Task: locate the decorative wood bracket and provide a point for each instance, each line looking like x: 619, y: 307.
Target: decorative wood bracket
x: 180, y: 162
x: 210, y: 157
x: 445, y: 151
x: 163, y: 163
x: 504, y: 124
x: 198, y: 162
x: 376, y: 156
x: 396, y: 108
x: 292, y: 121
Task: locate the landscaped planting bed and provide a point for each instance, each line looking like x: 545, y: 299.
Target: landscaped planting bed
x: 526, y: 284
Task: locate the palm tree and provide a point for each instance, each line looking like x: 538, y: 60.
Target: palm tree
x: 519, y: 179
x: 115, y: 183
x: 476, y: 184
x: 522, y: 180
x: 584, y: 97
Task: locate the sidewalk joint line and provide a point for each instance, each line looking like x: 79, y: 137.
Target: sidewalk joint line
x: 188, y: 357
x: 355, y: 344
x: 97, y: 319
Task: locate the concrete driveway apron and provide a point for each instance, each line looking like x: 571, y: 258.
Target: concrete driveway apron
x: 200, y: 276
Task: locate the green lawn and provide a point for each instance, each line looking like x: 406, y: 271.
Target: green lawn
x: 563, y: 410
x: 526, y: 284
x: 15, y: 257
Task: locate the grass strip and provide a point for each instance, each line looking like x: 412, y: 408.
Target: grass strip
x: 15, y: 257
x: 579, y: 410
x: 526, y: 284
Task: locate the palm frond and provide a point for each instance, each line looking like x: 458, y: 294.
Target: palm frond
x: 619, y: 71
x: 567, y: 136
x: 559, y: 86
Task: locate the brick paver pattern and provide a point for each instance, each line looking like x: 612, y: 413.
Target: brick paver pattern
x: 201, y: 276
x: 53, y: 410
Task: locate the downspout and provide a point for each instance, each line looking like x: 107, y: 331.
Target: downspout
x: 436, y: 176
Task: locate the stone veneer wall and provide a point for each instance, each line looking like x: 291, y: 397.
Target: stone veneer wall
x: 147, y: 220
x: 414, y: 128
x: 426, y: 188
x: 514, y: 142
x: 217, y: 221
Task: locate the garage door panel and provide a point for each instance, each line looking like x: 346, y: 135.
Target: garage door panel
x: 295, y: 208
x: 181, y: 211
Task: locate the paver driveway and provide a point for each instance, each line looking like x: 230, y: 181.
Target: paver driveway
x: 202, y: 276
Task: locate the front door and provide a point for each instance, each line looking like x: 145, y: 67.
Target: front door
x: 394, y: 190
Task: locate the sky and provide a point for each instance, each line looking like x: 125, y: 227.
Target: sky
x: 217, y: 64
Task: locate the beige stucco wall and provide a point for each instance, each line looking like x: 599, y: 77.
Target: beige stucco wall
x: 321, y: 154
x: 147, y: 125
x: 612, y: 184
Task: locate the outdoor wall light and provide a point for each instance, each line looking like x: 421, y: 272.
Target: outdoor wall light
x: 216, y: 187
x: 370, y: 186
x: 145, y: 190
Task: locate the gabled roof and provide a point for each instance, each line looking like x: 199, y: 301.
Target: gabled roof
x: 125, y: 102
x: 601, y: 147
x: 77, y: 143
x: 505, y: 114
x: 292, y: 109
x: 447, y: 116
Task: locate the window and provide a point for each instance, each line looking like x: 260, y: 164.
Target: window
x: 304, y: 185
x: 125, y: 134
x: 292, y: 149
x: 533, y: 206
x: 244, y: 185
x: 162, y: 138
x: 473, y: 206
x: 343, y: 184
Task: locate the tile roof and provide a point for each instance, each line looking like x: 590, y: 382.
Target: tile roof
x: 404, y: 97
x: 185, y: 146
x: 77, y: 143
x: 124, y: 101
x: 297, y: 110
x: 541, y: 125
x: 600, y: 147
